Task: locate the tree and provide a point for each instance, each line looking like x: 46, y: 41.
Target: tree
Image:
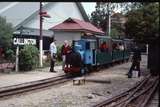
x: 100, y: 17
x: 6, y: 31
x: 143, y: 26
x: 119, y: 29
x: 114, y: 33
x: 143, y: 22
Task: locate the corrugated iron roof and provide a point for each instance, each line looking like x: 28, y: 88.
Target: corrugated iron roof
x: 33, y: 32
x: 16, y: 12
x: 19, y: 13
x: 76, y: 25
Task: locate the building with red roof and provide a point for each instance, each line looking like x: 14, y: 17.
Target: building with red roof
x: 72, y: 29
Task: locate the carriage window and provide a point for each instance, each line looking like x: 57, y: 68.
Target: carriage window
x: 104, y: 46
x: 114, y: 46
x: 93, y: 45
x: 75, y: 43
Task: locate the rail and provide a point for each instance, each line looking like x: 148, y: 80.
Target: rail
x: 25, y: 87
x: 141, y: 91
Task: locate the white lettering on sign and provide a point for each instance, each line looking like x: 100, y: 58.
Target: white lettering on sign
x: 24, y: 41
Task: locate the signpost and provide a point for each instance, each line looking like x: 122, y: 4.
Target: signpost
x: 17, y: 51
x: 21, y: 41
x: 24, y: 41
x: 17, y: 58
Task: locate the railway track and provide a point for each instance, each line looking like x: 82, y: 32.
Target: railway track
x: 137, y: 96
x: 154, y: 101
x: 6, y: 92
x: 30, y: 86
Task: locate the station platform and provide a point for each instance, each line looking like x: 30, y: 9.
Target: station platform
x: 29, y: 76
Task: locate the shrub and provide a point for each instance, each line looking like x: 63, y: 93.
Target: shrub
x: 6, y: 33
x: 10, y: 55
x: 59, y: 57
x: 28, y: 58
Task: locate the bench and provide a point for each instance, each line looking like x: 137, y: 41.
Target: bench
x: 79, y: 80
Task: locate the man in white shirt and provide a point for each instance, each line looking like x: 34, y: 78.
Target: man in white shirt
x: 53, y: 52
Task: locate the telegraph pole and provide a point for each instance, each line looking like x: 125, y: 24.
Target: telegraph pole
x: 42, y: 14
x: 41, y: 38
x: 109, y: 24
x: 109, y: 21
x: 17, y: 58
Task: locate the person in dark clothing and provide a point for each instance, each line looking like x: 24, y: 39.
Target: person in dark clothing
x: 65, y: 50
x: 135, y: 62
x: 104, y: 47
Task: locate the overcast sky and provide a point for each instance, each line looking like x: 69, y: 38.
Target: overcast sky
x: 89, y: 7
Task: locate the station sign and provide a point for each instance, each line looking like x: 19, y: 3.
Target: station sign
x: 24, y: 41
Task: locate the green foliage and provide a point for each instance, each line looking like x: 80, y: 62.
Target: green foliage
x: 6, y: 35
x: 99, y: 17
x: 10, y: 55
x: 28, y: 58
x: 114, y: 33
x: 6, y: 31
x: 143, y: 22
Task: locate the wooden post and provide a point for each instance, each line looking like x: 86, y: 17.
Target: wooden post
x: 17, y: 58
x: 41, y: 38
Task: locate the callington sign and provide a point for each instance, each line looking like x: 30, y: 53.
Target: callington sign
x: 24, y: 41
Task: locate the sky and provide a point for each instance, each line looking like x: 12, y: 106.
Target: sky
x: 89, y: 7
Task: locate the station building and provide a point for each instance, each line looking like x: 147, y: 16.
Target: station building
x: 24, y: 17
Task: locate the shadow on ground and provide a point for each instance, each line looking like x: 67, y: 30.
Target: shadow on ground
x: 98, y: 81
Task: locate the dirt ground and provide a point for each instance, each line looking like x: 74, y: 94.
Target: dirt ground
x: 99, y: 86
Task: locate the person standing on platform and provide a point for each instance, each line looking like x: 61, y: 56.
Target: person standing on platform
x: 65, y: 50
x: 53, y: 52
